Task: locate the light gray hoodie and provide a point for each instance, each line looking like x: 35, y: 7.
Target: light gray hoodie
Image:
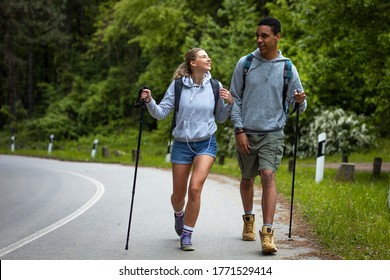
x: 195, y: 120
x: 259, y: 109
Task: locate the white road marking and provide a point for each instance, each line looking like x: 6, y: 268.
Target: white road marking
x: 98, y: 194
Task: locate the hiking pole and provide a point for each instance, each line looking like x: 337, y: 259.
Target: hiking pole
x: 295, y: 160
x: 140, y: 103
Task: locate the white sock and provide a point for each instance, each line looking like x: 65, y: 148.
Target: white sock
x: 188, y: 229
x: 179, y: 214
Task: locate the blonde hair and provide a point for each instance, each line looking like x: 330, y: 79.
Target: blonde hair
x: 184, y: 69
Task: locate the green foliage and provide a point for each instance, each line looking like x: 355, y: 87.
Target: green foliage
x: 338, y: 67
x: 88, y: 58
x: 105, y: 100
x: 226, y: 141
x: 158, y: 28
x: 52, y: 123
x: 345, y: 132
x: 235, y: 28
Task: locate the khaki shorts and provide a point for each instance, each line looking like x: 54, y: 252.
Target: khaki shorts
x: 266, y: 153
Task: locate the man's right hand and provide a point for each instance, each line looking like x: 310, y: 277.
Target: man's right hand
x: 242, y: 143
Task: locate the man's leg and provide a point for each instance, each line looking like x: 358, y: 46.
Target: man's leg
x: 247, y: 195
x: 268, y: 205
x: 268, y: 202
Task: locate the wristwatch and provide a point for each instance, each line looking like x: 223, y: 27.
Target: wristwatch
x: 238, y: 130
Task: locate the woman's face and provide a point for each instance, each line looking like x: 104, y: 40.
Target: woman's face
x: 202, y: 61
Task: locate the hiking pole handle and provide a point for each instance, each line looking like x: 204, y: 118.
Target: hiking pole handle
x: 141, y: 101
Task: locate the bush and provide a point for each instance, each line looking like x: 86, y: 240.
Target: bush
x: 346, y: 132
x: 57, y: 124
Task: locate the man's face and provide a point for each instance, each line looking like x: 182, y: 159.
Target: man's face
x: 267, y: 41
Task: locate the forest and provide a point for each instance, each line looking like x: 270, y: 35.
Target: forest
x: 73, y: 68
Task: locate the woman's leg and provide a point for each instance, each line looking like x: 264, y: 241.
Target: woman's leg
x: 180, y: 174
x: 201, y: 168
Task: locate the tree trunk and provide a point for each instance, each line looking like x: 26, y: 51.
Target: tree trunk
x: 30, y: 90
x: 10, y: 56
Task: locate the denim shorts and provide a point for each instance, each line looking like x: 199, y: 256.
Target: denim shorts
x: 184, y: 152
x: 266, y: 153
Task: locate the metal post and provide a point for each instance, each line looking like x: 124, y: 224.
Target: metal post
x: 12, y: 143
x: 49, y: 149
x: 320, y: 157
x: 94, y: 147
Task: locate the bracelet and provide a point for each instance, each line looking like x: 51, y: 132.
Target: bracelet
x: 239, y: 132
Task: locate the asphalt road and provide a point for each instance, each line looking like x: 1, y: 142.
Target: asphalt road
x: 55, y: 210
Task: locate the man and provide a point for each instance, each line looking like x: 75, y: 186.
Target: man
x: 259, y: 115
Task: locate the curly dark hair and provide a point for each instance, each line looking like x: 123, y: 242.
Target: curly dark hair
x: 273, y: 23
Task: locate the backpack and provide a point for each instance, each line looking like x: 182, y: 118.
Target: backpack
x: 178, y: 89
x: 286, y: 77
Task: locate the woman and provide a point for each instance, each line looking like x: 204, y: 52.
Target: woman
x: 194, y: 144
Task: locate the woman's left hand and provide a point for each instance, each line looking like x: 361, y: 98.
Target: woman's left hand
x: 225, y: 94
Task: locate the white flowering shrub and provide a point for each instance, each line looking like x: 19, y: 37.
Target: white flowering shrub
x: 345, y: 132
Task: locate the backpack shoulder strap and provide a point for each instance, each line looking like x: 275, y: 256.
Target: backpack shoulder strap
x: 178, y: 88
x: 215, y: 86
x: 247, y: 65
x: 287, y: 73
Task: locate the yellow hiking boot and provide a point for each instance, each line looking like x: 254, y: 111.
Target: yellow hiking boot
x: 248, y: 232
x: 267, y: 240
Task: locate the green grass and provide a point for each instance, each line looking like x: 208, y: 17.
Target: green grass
x: 350, y: 220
